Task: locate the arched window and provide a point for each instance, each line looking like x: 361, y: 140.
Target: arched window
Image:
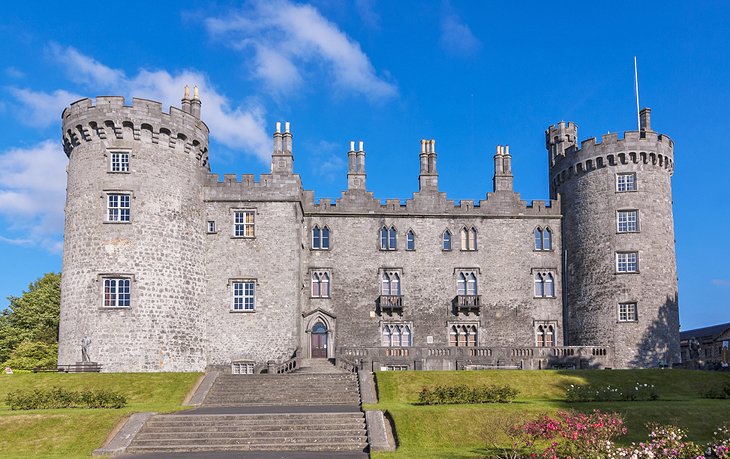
x: 390, y: 283
x: 396, y: 335
x: 325, y: 238
x: 446, y: 240
x: 549, y: 336
x: 549, y: 286
x: 388, y: 238
x: 319, y: 327
x: 316, y: 237
x: 461, y: 284
x: 538, y: 238
x: 468, y: 238
x: 386, y: 336
x: 405, y: 337
x: 464, y: 239
x: 462, y: 336
x: 547, y: 239
x: 540, y: 332
x: 316, y: 286
x: 325, y: 281
x: 410, y: 240
x: 539, y: 287
x: 471, y: 284
x: 453, y: 336
x: 471, y: 339
x: 473, y: 238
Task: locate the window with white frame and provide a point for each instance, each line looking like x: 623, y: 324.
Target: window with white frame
x: 466, y: 283
x: 388, y: 238
x: 544, y: 284
x: 627, y: 221
x: 117, y: 292
x: 545, y: 335
x: 119, y: 161
x: 463, y: 335
x: 242, y: 368
x: 320, y: 284
x: 244, y: 294
x: 627, y: 262
x: 626, y: 182
x: 627, y: 312
x: 543, y: 239
x: 396, y: 335
x: 390, y: 281
x: 320, y: 238
x: 410, y: 240
x: 118, y: 207
x: 468, y: 238
x: 211, y: 226
x: 446, y: 240
x: 243, y: 223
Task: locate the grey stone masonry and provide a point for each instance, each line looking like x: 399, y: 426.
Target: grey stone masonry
x: 168, y: 267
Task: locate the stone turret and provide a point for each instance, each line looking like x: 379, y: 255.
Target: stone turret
x: 618, y: 233
x: 503, y: 177
x: 133, y: 264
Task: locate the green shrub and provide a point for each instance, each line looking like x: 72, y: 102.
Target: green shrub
x: 32, y: 354
x: 720, y: 391
x: 608, y: 393
x: 58, y: 397
x: 462, y: 394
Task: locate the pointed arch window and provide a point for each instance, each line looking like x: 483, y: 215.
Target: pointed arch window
x: 543, y: 239
x: 468, y: 238
x: 396, y: 335
x: 388, y: 238
x: 463, y: 335
x: 545, y: 335
x: 410, y: 240
x: 390, y: 283
x: 461, y: 284
x: 446, y: 240
x: 320, y: 284
x: 544, y: 285
x: 320, y: 238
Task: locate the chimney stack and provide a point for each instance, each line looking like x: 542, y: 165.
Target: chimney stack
x: 502, y: 169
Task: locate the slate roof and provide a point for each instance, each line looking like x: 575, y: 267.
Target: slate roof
x: 705, y: 332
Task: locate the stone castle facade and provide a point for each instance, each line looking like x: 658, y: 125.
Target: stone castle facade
x: 168, y: 267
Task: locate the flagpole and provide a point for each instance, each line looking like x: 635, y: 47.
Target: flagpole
x: 636, y: 87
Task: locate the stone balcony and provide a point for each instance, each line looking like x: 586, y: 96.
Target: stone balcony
x: 467, y: 303
x: 390, y: 303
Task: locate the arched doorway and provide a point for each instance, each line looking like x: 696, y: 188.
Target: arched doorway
x: 319, y: 341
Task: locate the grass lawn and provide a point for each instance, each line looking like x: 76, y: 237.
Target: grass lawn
x: 72, y: 433
x: 470, y: 431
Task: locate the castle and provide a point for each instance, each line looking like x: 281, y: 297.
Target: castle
x: 167, y: 267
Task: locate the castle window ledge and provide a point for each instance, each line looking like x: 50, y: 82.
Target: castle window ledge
x: 390, y: 303
x: 243, y: 237
x: 107, y: 222
x: 241, y: 311
x: 552, y: 297
x: 467, y: 303
x: 621, y: 273
x: 115, y: 308
x: 119, y: 172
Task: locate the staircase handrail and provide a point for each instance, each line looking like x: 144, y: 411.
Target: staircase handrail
x: 288, y: 366
x: 347, y: 365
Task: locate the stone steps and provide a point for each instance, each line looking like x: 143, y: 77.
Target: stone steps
x: 252, y: 432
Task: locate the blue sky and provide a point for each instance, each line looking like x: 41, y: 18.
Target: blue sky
x: 470, y: 74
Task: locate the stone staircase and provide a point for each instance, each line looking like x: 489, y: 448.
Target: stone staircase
x: 316, y: 408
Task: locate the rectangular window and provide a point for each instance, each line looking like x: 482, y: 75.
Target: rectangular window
x: 627, y: 221
x: 119, y: 162
x: 625, y: 182
x: 117, y: 292
x: 243, y: 223
x: 211, y: 226
x: 118, y: 207
x: 243, y: 295
x: 627, y: 312
x: 241, y: 368
x: 627, y: 262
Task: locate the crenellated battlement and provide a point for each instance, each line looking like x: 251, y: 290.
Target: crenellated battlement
x: 110, y: 119
x: 496, y: 205
x: 638, y: 147
x: 246, y: 188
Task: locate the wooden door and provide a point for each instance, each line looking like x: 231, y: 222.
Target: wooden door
x: 319, y: 345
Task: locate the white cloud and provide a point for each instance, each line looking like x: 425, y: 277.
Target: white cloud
x: 368, y: 15
x: 41, y: 108
x: 456, y: 37
x: 286, y: 38
x: 233, y: 126
x: 12, y: 72
x: 32, y: 194
x: 721, y: 282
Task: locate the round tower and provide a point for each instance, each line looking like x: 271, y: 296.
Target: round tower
x: 133, y: 263
x: 618, y: 239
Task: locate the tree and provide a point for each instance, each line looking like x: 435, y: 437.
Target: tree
x: 32, y: 318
